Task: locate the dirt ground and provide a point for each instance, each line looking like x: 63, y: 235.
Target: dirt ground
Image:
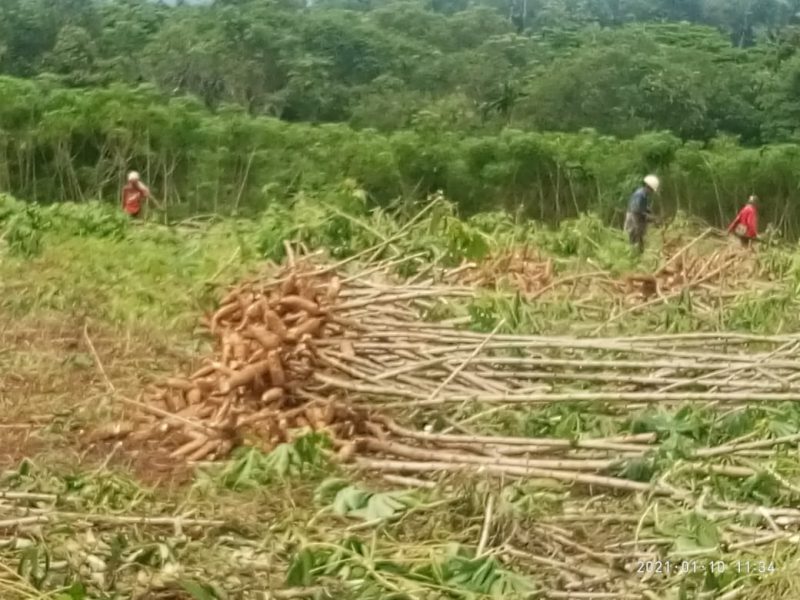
x: 61, y: 379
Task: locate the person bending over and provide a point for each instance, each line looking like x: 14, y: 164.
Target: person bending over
x: 745, y: 225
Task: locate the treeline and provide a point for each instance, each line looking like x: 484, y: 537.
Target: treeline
x: 230, y: 106
x: 67, y: 144
x: 698, y: 68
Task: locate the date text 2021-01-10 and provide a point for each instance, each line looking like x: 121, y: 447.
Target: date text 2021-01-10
x: 688, y: 567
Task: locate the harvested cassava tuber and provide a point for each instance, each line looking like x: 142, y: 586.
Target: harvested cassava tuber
x: 292, y: 318
x: 254, y: 313
x: 110, y: 431
x: 245, y: 376
x: 174, y: 402
x: 178, y: 383
x: 258, y: 355
x: 329, y: 413
x: 346, y: 452
x: 272, y: 395
x: 245, y: 301
x: 275, y: 324
x: 204, y: 450
x: 304, y: 289
x: 289, y: 286
x: 197, y: 441
x: 194, y: 396
x: 226, y: 312
x: 276, y: 374
x: 239, y: 347
x: 300, y: 303
x: 311, y: 327
x: 221, y: 414
x: 227, y: 348
x: 206, y: 385
x: 204, y: 371
x: 223, y: 369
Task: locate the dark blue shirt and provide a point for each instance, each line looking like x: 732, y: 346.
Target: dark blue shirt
x: 639, y: 202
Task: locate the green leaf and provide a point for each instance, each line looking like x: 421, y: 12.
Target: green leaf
x: 198, y: 591
x: 281, y: 459
x: 300, y: 571
x: 77, y: 591
x: 328, y: 489
x: 350, y: 499
x: 382, y: 506
x: 683, y: 546
x: 706, y: 532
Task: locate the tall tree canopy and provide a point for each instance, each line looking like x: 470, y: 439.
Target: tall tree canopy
x: 696, y: 67
x: 554, y: 106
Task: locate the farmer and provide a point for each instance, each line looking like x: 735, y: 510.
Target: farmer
x: 638, y: 214
x: 134, y: 194
x: 745, y: 225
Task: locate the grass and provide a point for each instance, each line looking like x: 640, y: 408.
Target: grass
x: 291, y: 519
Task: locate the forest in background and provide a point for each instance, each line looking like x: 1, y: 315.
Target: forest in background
x: 551, y: 107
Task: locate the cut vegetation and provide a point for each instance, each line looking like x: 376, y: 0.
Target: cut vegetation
x: 446, y: 409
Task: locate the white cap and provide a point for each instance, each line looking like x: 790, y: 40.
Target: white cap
x: 652, y: 182
x: 133, y: 176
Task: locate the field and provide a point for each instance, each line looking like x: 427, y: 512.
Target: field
x: 485, y: 408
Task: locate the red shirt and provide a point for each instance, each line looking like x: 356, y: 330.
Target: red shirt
x: 748, y: 217
x: 132, y: 195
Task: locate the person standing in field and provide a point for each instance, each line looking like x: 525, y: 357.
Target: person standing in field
x: 639, y: 215
x: 745, y: 225
x: 134, y: 195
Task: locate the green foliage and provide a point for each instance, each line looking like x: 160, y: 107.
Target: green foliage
x: 252, y: 469
x: 392, y: 64
x: 114, y: 492
x: 455, y: 571
x: 335, y: 219
x: 461, y: 571
x: 23, y: 231
x: 198, y: 591
x: 220, y: 107
x: 24, y: 225
x: 227, y: 162
x: 90, y: 219
x: 352, y: 501
x: 688, y: 421
x: 587, y: 237
x: 76, y: 591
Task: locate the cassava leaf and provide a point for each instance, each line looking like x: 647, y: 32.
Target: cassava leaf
x: 197, y: 590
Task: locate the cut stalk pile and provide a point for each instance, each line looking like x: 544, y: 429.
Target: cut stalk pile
x: 313, y: 348
x: 524, y: 270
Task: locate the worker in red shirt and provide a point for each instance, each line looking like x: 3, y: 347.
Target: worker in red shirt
x: 134, y: 195
x: 745, y: 225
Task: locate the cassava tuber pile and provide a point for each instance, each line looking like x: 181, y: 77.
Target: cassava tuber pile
x: 251, y: 388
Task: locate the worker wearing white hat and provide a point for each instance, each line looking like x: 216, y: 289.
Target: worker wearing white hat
x: 639, y: 214
x: 134, y: 194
